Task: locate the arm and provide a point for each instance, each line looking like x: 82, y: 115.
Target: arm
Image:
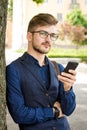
x: 66, y: 95
x: 67, y: 101
x: 15, y: 101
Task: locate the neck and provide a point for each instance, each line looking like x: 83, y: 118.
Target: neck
x: 40, y: 57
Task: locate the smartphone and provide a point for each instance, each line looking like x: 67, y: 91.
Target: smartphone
x: 71, y: 65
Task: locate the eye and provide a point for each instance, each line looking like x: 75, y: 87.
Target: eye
x: 43, y: 33
x: 54, y: 35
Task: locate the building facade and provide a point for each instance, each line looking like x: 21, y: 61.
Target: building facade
x: 24, y: 10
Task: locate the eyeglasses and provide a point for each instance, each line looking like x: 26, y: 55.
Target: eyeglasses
x: 43, y: 34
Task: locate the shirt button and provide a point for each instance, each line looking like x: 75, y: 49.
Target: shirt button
x: 47, y: 94
x: 44, y: 82
x: 48, y: 105
x: 54, y: 128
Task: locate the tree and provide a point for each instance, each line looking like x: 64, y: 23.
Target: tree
x: 75, y: 27
x: 3, y: 17
x: 10, y: 9
x: 77, y: 34
x: 3, y: 20
x: 39, y: 1
x: 75, y: 17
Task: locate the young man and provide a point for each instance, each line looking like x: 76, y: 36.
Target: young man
x: 38, y: 98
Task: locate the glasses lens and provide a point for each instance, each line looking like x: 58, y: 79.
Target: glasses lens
x: 53, y: 36
x: 43, y: 34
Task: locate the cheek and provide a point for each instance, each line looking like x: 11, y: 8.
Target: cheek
x: 38, y: 40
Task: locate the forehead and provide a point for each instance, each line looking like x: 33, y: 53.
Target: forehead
x: 50, y: 29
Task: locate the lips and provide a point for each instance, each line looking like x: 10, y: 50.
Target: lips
x: 46, y: 44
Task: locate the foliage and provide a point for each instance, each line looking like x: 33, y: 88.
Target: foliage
x: 59, y: 52
x: 75, y: 17
x: 77, y: 34
x: 75, y: 27
x: 38, y: 1
x: 70, y: 53
x: 10, y: 9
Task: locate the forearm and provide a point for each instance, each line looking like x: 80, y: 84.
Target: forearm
x: 68, y: 102
x: 23, y: 114
x: 66, y: 95
x: 29, y: 115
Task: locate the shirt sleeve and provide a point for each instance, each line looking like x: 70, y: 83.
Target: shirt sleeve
x: 67, y: 99
x: 15, y: 101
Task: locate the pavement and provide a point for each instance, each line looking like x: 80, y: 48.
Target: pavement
x: 78, y: 120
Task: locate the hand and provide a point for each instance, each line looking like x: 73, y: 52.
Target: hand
x: 57, y: 104
x: 68, y: 79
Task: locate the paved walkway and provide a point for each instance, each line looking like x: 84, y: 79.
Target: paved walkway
x: 78, y: 120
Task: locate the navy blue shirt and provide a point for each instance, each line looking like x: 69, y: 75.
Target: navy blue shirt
x: 15, y: 99
x: 43, y: 71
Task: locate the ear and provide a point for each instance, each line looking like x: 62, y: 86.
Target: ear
x: 29, y: 36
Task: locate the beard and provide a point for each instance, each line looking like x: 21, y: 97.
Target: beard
x: 44, y: 48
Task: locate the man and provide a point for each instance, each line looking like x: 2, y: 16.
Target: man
x: 37, y: 98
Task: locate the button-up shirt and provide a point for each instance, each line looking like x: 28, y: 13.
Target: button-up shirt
x: 15, y: 100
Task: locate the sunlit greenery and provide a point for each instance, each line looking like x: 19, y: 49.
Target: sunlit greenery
x: 38, y: 1
x: 76, y: 26
x: 76, y: 17
x: 65, y: 53
x: 74, y: 53
x: 10, y: 9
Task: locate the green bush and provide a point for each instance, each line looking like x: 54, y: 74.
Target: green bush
x: 68, y: 53
x: 65, y: 53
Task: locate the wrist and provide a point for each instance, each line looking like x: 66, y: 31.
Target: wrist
x: 56, y: 112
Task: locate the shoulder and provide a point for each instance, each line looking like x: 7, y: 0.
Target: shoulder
x: 15, y: 63
x: 61, y: 67
x: 13, y: 66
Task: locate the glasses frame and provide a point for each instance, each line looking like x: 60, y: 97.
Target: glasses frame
x: 44, y: 34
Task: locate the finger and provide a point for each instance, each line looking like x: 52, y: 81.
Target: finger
x: 64, y: 79
x: 68, y: 83
x: 73, y: 72
x: 68, y: 76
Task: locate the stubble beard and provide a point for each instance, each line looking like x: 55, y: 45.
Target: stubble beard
x: 41, y: 50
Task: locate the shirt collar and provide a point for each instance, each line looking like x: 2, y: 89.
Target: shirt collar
x: 34, y: 60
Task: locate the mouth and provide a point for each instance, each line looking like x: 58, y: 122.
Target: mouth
x: 46, y: 45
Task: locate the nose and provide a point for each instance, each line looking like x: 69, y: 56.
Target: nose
x: 48, y: 38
